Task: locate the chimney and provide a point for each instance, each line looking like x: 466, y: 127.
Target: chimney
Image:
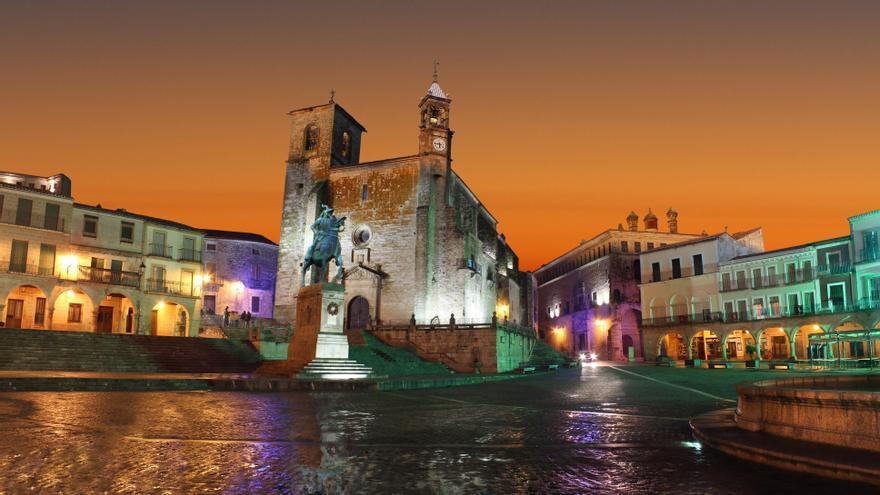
x: 632, y: 221
x: 672, y: 221
x: 651, y: 221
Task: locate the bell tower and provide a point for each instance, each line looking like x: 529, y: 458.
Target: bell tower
x: 435, y: 138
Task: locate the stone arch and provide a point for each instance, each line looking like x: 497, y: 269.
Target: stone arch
x: 72, y: 309
x: 116, y: 313
x: 169, y: 319
x: 705, y: 344
x: 657, y: 309
x: 735, y: 342
x: 773, y: 343
x: 800, y: 339
x: 25, y: 306
x: 672, y: 345
x: 629, y: 328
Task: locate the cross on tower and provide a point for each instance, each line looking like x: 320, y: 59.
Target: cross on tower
x: 332, y: 94
x: 436, y: 64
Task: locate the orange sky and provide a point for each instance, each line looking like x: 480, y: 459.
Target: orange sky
x: 567, y: 115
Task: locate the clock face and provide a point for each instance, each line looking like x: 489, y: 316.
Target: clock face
x: 439, y: 144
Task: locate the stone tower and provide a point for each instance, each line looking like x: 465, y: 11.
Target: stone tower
x: 321, y: 137
x: 632, y: 221
x: 433, y: 270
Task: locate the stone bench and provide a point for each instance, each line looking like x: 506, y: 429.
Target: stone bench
x: 553, y: 367
x: 528, y: 369
x: 718, y: 365
x: 781, y: 366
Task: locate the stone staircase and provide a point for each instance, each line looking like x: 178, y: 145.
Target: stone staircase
x: 49, y: 350
x: 334, y: 369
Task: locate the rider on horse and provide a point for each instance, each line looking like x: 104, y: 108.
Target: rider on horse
x: 325, y: 245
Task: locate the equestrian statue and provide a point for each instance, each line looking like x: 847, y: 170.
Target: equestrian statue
x: 325, y: 246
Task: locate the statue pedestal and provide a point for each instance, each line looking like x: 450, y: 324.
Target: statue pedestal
x: 319, y: 348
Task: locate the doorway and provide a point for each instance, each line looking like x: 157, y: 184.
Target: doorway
x: 358, y: 314
x: 105, y: 319
x: 14, y: 309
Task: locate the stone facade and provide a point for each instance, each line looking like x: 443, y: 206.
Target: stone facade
x: 588, y: 298
x: 240, y: 273
x: 70, y: 266
x: 417, y: 240
x: 807, y: 303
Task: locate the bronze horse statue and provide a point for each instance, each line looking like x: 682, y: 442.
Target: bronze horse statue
x: 325, y: 246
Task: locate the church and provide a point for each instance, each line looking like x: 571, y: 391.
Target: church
x: 417, y: 240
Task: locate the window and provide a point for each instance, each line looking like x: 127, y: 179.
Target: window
x: 361, y: 235
x: 741, y: 279
x: 365, y: 192
x: 756, y: 278
x: 725, y: 281
x: 637, y: 271
x: 47, y: 259
x: 771, y: 275
x: 624, y: 247
x: 255, y: 252
x: 40, y: 312
x: 698, y: 264
x: 758, y: 307
x: 833, y: 260
x: 19, y: 256
x: 655, y: 271
x: 650, y: 246
x: 50, y: 220
x: 210, y: 247
x: 90, y: 226
x: 311, y: 138
x: 676, y: 268
x: 638, y: 247
x: 773, y: 304
x: 23, y: 213
x: 345, y: 145
x: 255, y: 304
x: 74, y: 313
x: 126, y: 232
x: 255, y: 272
x: 790, y: 273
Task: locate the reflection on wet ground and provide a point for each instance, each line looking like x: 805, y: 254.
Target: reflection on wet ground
x: 592, y: 431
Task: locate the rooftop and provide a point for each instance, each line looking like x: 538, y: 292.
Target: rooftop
x: 237, y: 236
x: 125, y: 213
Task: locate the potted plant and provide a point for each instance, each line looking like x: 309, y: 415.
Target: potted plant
x: 751, y: 350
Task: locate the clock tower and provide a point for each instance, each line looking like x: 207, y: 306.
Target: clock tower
x: 435, y: 138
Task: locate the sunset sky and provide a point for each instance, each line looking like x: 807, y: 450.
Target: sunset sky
x: 567, y: 114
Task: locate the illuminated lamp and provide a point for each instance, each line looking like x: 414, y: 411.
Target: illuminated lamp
x: 67, y: 262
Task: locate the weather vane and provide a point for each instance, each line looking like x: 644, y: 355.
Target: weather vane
x: 332, y: 94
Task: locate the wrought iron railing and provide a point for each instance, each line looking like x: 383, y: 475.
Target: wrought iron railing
x: 159, y: 250
x: 26, y: 269
x: 11, y: 217
x: 171, y: 287
x: 189, y: 255
x: 871, y: 253
x: 112, y: 277
x: 765, y: 313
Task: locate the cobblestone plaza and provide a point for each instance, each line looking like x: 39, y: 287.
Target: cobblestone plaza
x: 596, y: 430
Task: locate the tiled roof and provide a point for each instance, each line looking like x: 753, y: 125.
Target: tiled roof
x: 236, y: 236
x: 436, y: 91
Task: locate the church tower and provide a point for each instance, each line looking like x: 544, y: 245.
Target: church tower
x: 321, y: 137
x: 435, y: 138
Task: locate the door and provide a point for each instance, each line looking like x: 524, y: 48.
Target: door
x: 779, y: 346
x: 836, y: 296
x: 159, y: 246
x: 14, y: 309
x: 358, y: 314
x: 793, y: 307
x: 105, y: 319
x: 116, y: 272
x: 23, y: 213
x: 154, y: 322
x: 50, y: 221
x: 186, y: 282
x: 47, y: 260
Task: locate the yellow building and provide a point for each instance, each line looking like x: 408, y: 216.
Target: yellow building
x: 70, y: 266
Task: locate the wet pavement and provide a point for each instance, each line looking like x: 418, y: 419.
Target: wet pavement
x: 597, y: 430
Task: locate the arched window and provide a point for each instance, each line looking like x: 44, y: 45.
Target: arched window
x: 311, y: 138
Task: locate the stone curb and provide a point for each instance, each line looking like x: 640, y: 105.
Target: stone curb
x: 718, y: 430
x: 253, y: 384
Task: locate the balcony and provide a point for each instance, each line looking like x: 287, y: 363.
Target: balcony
x: 189, y: 255
x: 110, y: 277
x: 26, y: 269
x: 470, y: 264
x: 170, y: 287
x: 734, y: 285
x: 160, y: 250
x: 55, y: 224
x: 836, y: 269
x: 766, y: 313
x: 869, y: 254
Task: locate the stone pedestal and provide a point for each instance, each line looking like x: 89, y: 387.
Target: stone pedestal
x: 319, y: 348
